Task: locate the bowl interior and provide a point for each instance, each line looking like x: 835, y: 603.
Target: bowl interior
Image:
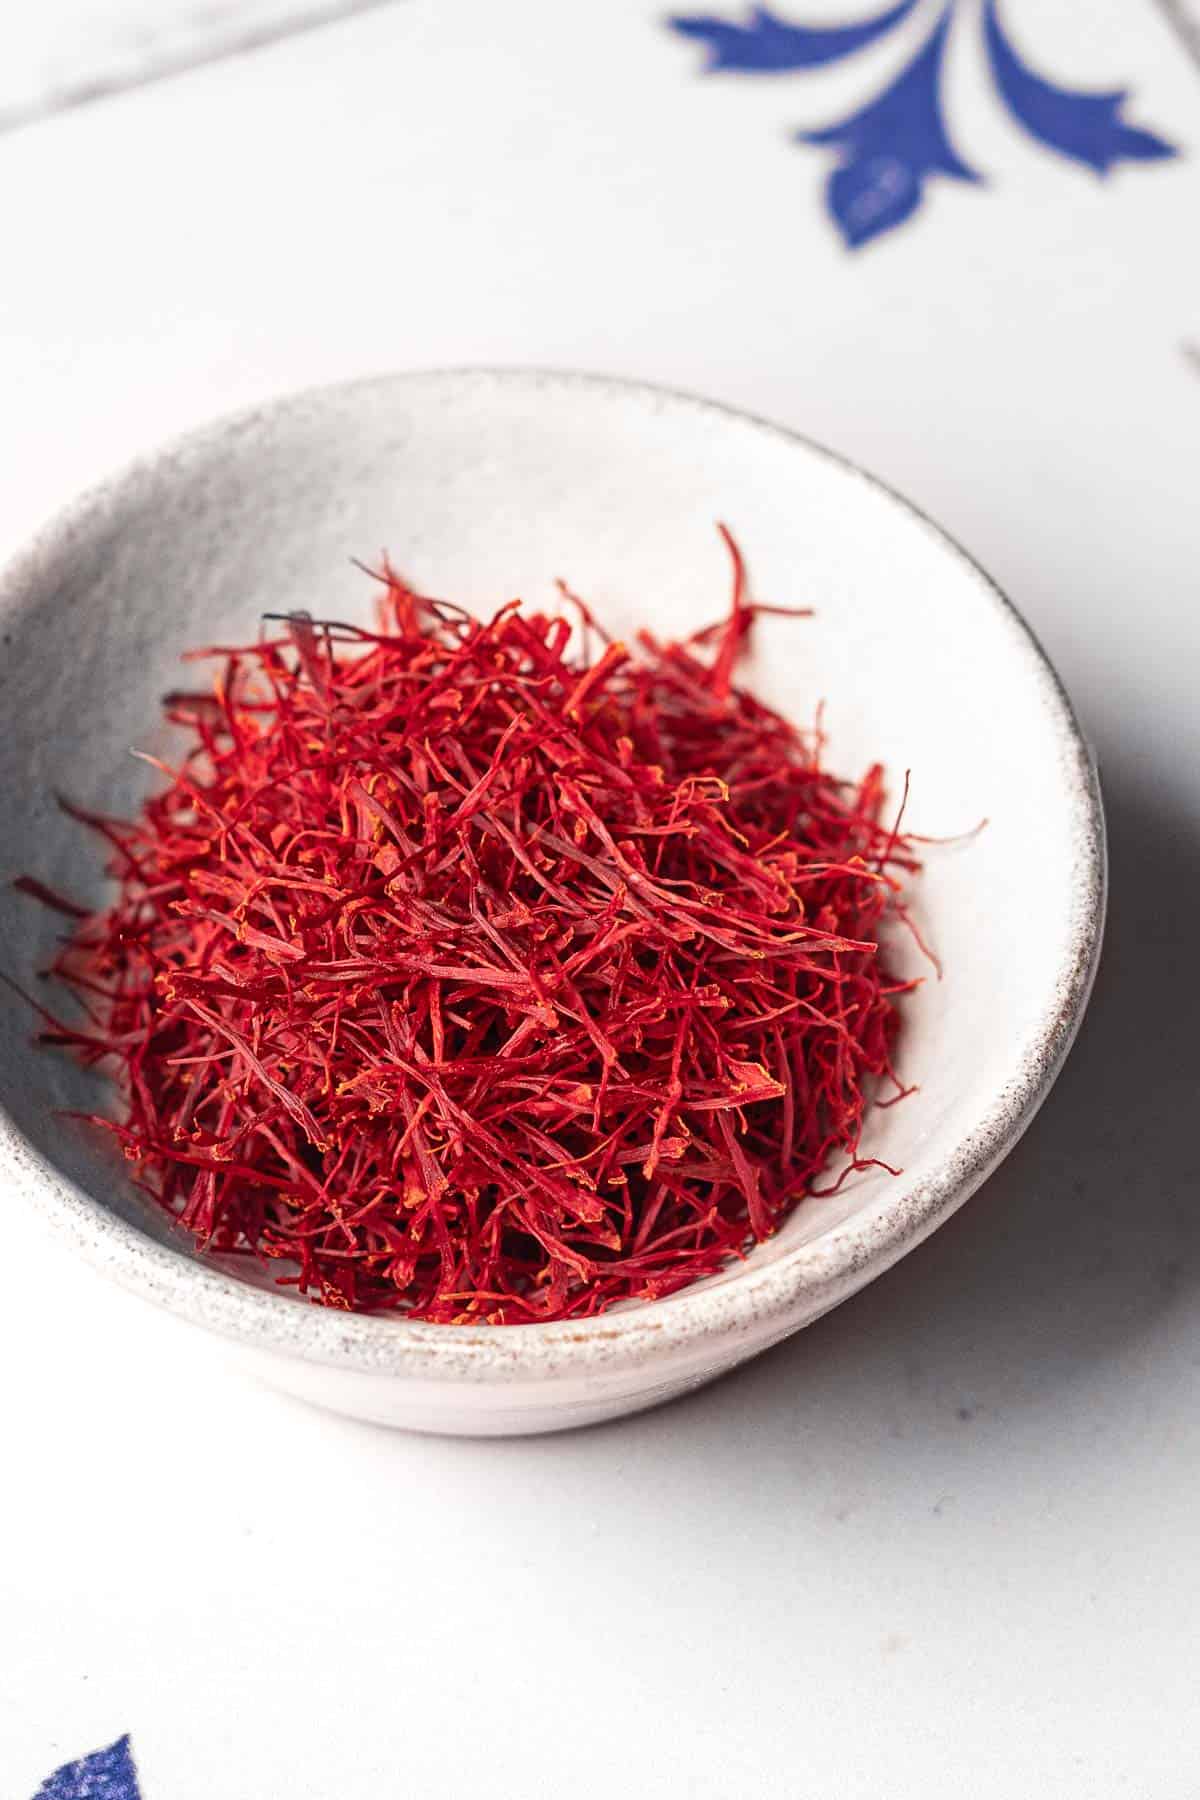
x: 484, y: 486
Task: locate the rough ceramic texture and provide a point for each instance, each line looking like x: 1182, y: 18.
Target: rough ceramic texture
x: 482, y: 484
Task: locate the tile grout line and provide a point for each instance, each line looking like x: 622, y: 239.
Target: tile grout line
x: 235, y: 43
x: 1184, y: 21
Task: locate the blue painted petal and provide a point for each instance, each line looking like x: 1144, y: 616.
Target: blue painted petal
x: 105, y: 1775
x: 768, y: 44
x: 1086, y: 127
x: 891, y: 146
x: 870, y: 197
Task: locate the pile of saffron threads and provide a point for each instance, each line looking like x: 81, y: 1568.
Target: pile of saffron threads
x: 489, y: 972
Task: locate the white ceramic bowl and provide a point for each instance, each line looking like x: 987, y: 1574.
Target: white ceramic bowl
x: 482, y: 485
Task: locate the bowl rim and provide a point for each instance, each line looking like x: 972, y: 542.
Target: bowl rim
x: 799, y: 1284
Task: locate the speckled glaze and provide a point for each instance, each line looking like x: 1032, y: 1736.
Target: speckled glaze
x: 482, y: 484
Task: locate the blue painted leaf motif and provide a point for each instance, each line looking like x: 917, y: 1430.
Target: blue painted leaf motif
x: 891, y: 146
x: 106, y: 1775
x: 1087, y: 127
x: 769, y: 44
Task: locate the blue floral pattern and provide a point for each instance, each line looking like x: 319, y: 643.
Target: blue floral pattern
x: 894, y: 144
x: 890, y: 147
x: 1086, y: 127
x: 769, y: 45
x: 107, y: 1774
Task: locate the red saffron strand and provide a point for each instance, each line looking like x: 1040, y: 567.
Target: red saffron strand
x: 464, y: 976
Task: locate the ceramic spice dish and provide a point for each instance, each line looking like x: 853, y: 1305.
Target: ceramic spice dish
x: 482, y: 485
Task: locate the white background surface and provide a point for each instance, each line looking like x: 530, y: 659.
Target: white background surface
x: 61, y: 53
x: 946, y: 1541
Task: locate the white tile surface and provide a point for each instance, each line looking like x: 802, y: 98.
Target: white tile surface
x: 61, y: 52
x: 945, y: 1541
